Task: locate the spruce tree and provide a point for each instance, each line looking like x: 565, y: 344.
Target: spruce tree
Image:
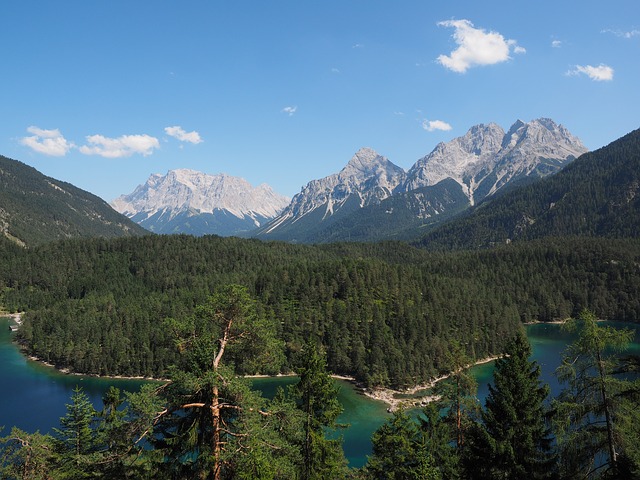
x: 513, y: 440
x: 75, y: 441
x: 400, y: 451
x: 317, y: 396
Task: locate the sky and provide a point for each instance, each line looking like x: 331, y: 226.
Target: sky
x: 102, y: 94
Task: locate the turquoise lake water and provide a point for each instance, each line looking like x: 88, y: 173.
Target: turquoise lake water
x: 33, y: 396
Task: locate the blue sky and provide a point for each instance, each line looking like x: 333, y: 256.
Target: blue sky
x: 103, y: 93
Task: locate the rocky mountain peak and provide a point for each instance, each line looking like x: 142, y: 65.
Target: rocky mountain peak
x: 482, y: 139
x: 367, y: 178
x: 487, y: 154
x: 189, y: 192
x: 367, y: 166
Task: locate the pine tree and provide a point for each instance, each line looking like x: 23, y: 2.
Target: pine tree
x: 26, y: 456
x: 400, y: 451
x: 210, y: 410
x: 513, y: 440
x: 317, y: 396
x: 590, y: 410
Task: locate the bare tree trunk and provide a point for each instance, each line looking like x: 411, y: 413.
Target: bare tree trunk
x: 215, y: 406
x: 215, y: 413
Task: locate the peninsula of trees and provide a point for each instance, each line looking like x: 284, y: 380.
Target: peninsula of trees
x: 386, y: 314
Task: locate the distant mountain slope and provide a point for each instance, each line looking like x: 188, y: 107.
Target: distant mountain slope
x: 187, y: 201
x: 403, y: 216
x: 367, y: 179
x: 373, y: 199
x: 35, y: 209
x: 597, y: 195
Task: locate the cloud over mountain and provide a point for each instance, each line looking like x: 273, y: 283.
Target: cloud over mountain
x: 47, y: 142
x: 123, y: 146
x: 476, y: 47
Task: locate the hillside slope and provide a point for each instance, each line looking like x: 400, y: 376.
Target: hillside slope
x: 597, y: 195
x: 35, y: 209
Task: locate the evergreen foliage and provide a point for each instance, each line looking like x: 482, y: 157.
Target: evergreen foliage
x: 209, y: 419
x: 400, y: 451
x: 594, y: 412
x: 36, y: 209
x: 385, y: 313
x: 317, y: 396
x: 513, y: 440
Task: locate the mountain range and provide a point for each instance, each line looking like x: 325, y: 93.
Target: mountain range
x: 598, y: 195
x: 491, y: 185
x: 187, y: 201
x: 373, y: 199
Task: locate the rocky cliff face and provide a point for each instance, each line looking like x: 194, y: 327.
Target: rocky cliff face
x: 486, y: 158
x: 367, y: 178
x: 187, y: 201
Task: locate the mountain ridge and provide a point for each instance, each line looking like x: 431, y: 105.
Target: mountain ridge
x: 35, y: 209
x: 188, y: 201
x: 482, y: 162
x: 596, y: 195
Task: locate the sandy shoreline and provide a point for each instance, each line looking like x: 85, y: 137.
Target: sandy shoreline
x: 389, y: 396
x: 552, y: 322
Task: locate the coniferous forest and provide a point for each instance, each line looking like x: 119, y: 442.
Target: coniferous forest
x: 385, y: 313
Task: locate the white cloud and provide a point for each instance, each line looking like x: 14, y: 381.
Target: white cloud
x: 335, y: 70
x: 432, y: 125
x: 476, y: 47
x: 47, y: 142
x: 289, y: 110
x: 601, y: 73
x: 556, y: 43
x: 180, y: 134
x: 123, y: 146
x: 519, y: 50
x: 623, y: 34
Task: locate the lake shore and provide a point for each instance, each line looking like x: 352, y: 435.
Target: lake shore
x: 390, y: 396
x: 387, y: 395
x: 552, y: 322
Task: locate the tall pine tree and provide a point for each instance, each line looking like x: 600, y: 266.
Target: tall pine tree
x: 513, y: 440
x: 317, y: 396
x: 591, y: 408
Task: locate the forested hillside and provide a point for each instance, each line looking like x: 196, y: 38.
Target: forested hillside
x: 35, y: 209
x: 596, y: 195
x: 386, y: 313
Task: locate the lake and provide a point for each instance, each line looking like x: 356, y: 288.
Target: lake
x: 34, y: 396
